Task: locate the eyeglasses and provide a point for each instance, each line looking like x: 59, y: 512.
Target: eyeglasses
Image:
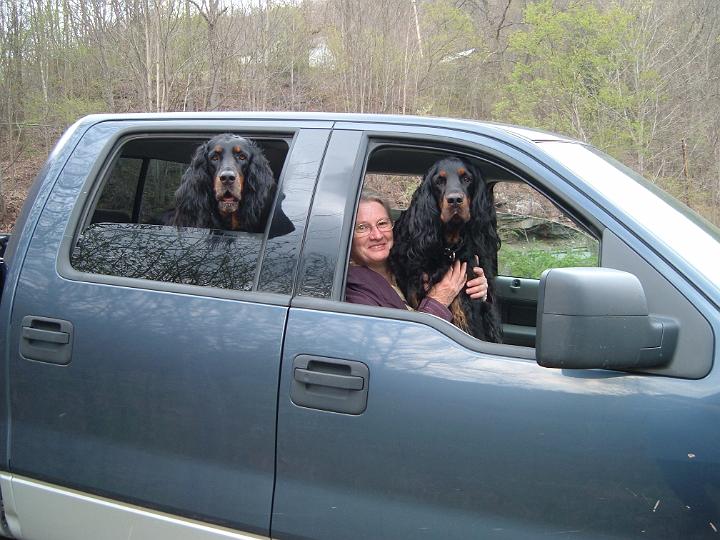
x: 363, y: 229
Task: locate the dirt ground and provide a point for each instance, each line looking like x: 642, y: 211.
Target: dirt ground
x: 16, y: 178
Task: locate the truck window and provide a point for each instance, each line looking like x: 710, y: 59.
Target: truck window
x: 534, y: 233
x: 129, y: 232
x: 118, y: 197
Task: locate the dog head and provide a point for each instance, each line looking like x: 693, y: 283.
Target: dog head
x: 459, y: 195
x: 227, y: 158
x: 229, y: 185
x: 453, y: 184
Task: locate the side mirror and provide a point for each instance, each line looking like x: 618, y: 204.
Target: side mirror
x: 598, y: 318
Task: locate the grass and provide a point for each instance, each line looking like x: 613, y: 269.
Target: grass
x: 530, y: 259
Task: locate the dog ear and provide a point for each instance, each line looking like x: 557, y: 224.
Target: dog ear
x: 423, y: 228
x: 484, y: 220
x: 259, y: 189
x: 194, y: 197
x: 417, y: 242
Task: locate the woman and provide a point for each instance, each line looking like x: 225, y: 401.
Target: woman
x: 370, y: 281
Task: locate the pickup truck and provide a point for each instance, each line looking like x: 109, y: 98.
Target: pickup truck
x: 155, y: 380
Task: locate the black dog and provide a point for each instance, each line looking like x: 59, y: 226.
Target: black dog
x: 451, y: 217
x: 229, y: 185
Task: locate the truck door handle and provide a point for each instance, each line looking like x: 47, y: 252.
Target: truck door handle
x: 347, y: 382
x: 46, y: 340
x: 48, y: 336
x: 329, y: 384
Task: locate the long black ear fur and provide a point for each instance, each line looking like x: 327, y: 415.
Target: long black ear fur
x: 483, y: 228
x: 418, y: 243
x: 258, y: 192
x: 194, y: 204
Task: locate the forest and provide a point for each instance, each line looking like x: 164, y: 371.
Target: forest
x: 639, y: 79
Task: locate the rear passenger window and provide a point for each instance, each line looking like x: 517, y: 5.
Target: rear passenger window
x: 129, y: 229
x: 159, y: 190
x: 118, y: 197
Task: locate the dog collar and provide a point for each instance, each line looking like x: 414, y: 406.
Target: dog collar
x: 451, y: 251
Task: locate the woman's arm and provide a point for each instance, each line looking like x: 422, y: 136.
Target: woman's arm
x: 364, y: 286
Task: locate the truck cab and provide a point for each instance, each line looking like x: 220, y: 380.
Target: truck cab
x: 153, y: 376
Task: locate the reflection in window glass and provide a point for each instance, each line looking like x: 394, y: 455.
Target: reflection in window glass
x: 536, y: 235
x: 118, y: 196
x: 224, y: 259
x: 163, y: 178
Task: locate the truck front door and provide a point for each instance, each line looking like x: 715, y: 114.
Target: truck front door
x: 395, y: 424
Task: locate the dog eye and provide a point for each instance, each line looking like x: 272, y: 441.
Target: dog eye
x: 466, y: 179
x: 241, y: 156
x: 215, y: 157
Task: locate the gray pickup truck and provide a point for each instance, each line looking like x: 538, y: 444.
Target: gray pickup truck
x: 155, y: 380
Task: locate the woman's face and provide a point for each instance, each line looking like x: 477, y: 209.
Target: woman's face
x: 373, y: 249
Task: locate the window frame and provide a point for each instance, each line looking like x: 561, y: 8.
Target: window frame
x: 525, y: 161
x: 375, y: 144
x: 96, y: 180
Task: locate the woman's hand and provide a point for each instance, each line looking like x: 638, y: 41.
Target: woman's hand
x: 445, y: 290
x: 477, y: 287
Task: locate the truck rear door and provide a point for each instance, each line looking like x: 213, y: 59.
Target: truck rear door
x: 144, y: 362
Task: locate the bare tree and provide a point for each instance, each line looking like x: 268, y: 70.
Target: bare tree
x: 60, y: 59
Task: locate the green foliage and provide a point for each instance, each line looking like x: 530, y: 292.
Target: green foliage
x: 530, y: 261
x: 455, y: 53
x: 289, y: 44
x: 448, y: 29
x: 61, y: 111
x: 569, y: 76
x: 69, y: 109
x: 633, y: 78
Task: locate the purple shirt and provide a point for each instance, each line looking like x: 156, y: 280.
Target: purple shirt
x: 365, y: 286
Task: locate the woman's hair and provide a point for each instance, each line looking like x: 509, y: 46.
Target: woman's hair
x: 368, y: 195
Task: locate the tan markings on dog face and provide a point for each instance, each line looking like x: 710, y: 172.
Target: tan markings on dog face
x: 228, y: 197
x: 442, y: 173
x: 218, y: 187
x: 459, y: 318
x: 218, y: 149
x: 235, y: 189
x: 455, y: 214
x: 238, y: 151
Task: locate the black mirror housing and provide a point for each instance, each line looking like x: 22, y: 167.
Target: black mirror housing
x: 598, y: 318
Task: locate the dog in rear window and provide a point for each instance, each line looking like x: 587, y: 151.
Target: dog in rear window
x: 229, y: 185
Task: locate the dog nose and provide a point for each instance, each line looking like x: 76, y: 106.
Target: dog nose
x: 455, y: 199
x: 227, y: 177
